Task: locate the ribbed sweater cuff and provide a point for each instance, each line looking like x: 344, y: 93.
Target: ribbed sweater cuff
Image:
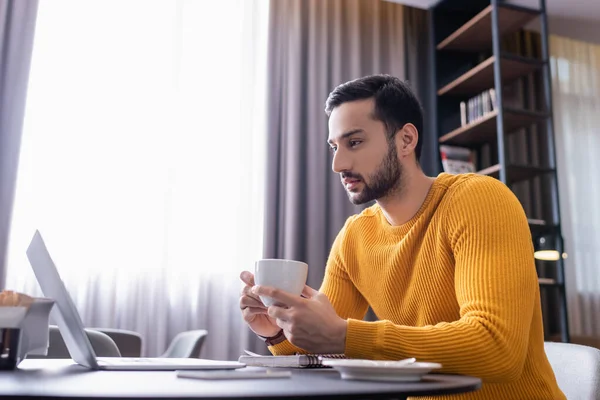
x: 283, y: 348
x: 362, y: 338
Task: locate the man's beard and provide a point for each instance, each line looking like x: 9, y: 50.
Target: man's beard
x: 386, y: 179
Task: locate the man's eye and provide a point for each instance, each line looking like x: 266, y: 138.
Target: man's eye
x: 354, y: 143
x: 332, y: 149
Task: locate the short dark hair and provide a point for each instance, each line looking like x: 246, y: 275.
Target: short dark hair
x: 395, y: 102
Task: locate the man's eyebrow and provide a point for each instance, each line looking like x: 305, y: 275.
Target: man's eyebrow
x: 347, y: 134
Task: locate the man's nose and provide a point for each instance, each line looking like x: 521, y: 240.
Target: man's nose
x: 341, y: 162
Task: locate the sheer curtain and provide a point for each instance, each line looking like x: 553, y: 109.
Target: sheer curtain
x: 142, y: 162
x: 576, y: 99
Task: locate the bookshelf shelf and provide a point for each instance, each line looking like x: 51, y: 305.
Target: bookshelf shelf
x: 476, y: 34
x: 516, y: 173
x: 481, y: 77
x: 540, y: 226
x: 483, y: 130
x: 548, y: 282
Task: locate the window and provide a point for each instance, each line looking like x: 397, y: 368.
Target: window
x: 142, y: 161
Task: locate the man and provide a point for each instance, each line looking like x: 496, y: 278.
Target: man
x: 445, y: 263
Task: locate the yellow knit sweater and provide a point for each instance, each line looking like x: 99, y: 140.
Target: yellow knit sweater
x: 455, y: 285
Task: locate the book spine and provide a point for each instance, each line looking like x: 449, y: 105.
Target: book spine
x: 493, y: 98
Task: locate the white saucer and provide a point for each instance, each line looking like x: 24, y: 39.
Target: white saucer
x: 387, y: 371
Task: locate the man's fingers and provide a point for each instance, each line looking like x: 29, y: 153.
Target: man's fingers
x: 278, y: 313
x: 251, y: 312
x: 247, y: 301
x: 247, y: 277
x: 283, y: 325
x: 309, y: 292
x: 247, y: 291
x: 280, y: 296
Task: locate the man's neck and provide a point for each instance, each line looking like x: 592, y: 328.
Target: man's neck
x: 402, y: 205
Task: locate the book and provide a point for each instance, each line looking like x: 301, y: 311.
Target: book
x: 477, y: 107
x: 493, y: 99
x: 292, y: 361
x: 457, y: 160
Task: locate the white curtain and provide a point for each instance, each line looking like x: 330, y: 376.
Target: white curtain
x: 142, y: 162
x: 575, y: 69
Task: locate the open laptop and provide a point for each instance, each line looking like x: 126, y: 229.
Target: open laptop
x: 72, y: 329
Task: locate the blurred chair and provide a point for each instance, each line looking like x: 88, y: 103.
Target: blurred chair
x: 186, y: 344
x: 128, y: 342
x: 102, y: 344
x: 577, y: 369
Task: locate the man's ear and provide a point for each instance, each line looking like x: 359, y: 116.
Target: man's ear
x: 406, y: 140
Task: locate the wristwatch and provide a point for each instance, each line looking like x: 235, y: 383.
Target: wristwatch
x: 273, y: 340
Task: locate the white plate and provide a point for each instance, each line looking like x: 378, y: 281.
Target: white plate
x: 387, y: 371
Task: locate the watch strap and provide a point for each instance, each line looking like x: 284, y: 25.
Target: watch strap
x: 273, y: 340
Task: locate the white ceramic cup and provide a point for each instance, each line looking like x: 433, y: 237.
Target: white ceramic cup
x: 287, y: 275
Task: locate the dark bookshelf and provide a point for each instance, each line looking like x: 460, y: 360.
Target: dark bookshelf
x: 468, y: 60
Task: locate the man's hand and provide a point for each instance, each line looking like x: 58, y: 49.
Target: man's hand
x: 254, y: 311
x: 310, y: 323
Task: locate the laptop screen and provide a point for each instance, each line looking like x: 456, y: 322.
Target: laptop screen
x: 64, y: 312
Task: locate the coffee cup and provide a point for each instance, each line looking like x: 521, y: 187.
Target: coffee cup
x: 287, y: 275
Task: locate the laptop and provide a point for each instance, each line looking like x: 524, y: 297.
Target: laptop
x: 72, y: 329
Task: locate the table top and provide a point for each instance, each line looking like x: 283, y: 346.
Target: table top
x: 51, y: 378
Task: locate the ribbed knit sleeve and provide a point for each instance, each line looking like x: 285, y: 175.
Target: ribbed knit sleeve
x: 495, y: 282
x: 345, y: 298
x: 337, y: 286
